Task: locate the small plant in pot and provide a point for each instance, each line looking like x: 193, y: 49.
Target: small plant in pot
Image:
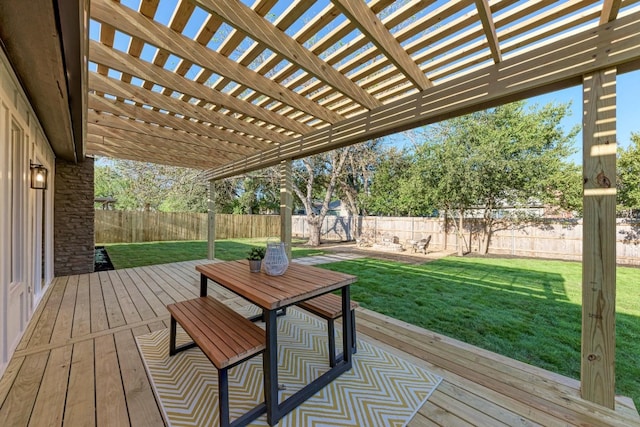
x: 255, y: 256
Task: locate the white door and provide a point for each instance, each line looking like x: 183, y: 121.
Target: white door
x: 17, y: 297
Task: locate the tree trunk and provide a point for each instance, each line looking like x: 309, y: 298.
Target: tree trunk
x: 315, y: 228
x: 314, y: 236
x: 487, y: 228
x: 461, y: 234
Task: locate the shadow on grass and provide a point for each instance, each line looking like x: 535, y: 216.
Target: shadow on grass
x: 526, y: 310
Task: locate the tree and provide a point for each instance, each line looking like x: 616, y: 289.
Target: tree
x: 628, y: 182
x: 357, y: 176
x: 318, y: 176
x: 147, y: 186
x: 490, y: 159
x: 391, y: 168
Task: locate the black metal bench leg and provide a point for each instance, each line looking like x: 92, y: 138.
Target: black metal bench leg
x: 223, y: 397
x: 172, y: 337
x: 354, y: 343
x: 332, y: 342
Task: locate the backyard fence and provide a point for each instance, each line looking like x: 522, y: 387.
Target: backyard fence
x: 548, y: 239
x: 131, y: 227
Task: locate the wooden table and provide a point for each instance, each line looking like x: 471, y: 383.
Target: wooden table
x: 272, y: 293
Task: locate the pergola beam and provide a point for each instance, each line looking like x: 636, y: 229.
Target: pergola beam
x: 230, y: 139
x: 610, y: 9
x: 484, y: 12
x: 142, y: 96
x: 100, y: 120
x: 120, y: 61
x: 147, y: 141
x: 246, y: 20
x: 146, y: 29
x: 374, y: 30
x: 551, y: 67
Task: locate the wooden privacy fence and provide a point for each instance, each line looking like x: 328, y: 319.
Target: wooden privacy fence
x: 547, y: 239
x: 559, y: 240
x: 131, y: 227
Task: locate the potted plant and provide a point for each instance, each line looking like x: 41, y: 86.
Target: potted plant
x: 255, y: 256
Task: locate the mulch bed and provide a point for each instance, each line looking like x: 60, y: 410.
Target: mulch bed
x: 102, y: 262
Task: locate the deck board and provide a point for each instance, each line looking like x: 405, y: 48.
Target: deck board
x: 110, y: 398
x: 80, y: 405
x: 78, y: 360
x: 82, y: 314
x: 49, y: 406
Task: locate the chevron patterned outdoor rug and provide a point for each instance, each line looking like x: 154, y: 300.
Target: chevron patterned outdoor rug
x: 381, y: 389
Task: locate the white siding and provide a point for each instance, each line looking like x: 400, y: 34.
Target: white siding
x: 26, y: 215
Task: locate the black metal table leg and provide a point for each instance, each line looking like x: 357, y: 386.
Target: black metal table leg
x: 347, y: 321
x: 203, y: 285
x: 270, y: 366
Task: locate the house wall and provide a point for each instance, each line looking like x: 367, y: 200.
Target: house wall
x: 74, y: 218
x: 26, y: 225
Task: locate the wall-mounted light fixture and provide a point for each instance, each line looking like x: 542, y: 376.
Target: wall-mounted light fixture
x: 38, y: 176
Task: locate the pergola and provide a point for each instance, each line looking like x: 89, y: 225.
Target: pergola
x: 263, y: 83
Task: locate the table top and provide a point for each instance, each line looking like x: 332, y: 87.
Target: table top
x: 298, y: 283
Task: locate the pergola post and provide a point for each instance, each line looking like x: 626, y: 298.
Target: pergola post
x: 599, y: 238
x: 286, y: 204
x: 211, y: 223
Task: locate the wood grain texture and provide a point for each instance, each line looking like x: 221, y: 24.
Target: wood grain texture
x: 147, y: 71
x: 141, y: 95
x: 156, y: 34
x: 597, y: 372
x: 80, y: 404
x: 243, y: 18
x: 49, y: 407
x: 484, y: 12
x: 111, y: 405
x: 225, y: 139
x: 374, y: 30
x: 107, y: 379
x: 565, y: 61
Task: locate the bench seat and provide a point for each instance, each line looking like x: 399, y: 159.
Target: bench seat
x: 329, y: 307
x: 225, y: 337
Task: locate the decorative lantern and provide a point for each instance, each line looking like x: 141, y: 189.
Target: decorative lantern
x: 275, y: 261
x: 38, y: 177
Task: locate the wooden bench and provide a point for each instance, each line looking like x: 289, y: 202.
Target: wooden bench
x: 225, y: 337
x: 329, y: 307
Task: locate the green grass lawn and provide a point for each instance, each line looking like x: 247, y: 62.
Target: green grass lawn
x: 125, y: 255
x: 529, y: 310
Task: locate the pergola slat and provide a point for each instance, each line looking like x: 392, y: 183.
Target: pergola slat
x: 556, y: 65
x: 111, y: 121
x: 156, y: 34
x: 244, y: 19
x: 146, y: 71
x: 118, y: 108
x: 484, y: 12
x: 140, y: 96
x: 372, y: 28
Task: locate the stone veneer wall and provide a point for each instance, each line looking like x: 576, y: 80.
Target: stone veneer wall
x: 74, y: 243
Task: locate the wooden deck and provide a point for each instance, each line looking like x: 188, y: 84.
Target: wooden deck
x: 78, y: 364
